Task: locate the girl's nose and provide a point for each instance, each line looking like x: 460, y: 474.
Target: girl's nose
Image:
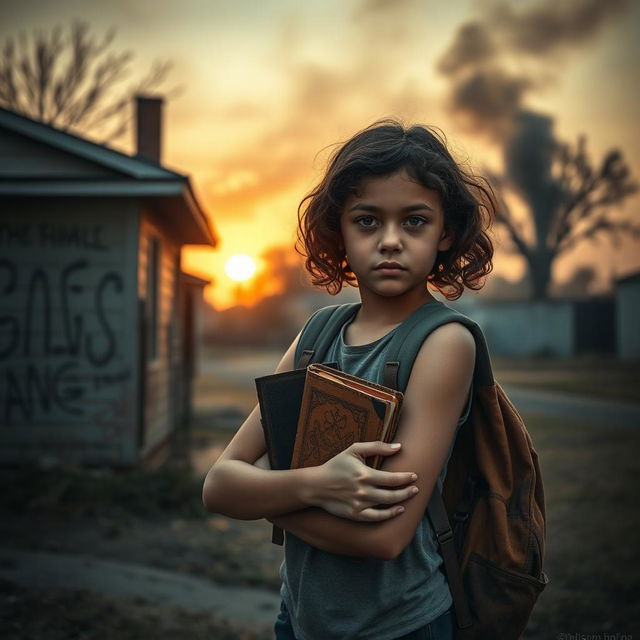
x: 390, y: 238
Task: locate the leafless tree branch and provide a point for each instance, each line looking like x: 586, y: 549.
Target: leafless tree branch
x: 72, y: 83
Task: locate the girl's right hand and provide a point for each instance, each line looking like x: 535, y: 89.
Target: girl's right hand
x: 348, y: 488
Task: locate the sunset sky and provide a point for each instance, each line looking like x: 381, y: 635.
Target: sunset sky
x: 268, y: 85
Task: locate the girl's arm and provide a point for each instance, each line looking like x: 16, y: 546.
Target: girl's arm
x: 236, y: 487
x: 434, y: 399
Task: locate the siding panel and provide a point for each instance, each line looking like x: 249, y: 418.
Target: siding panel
x: 67, y: 344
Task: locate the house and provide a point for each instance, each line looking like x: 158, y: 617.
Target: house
x: 627, y: 290
x: 95, y: 320
x: 555, y: 327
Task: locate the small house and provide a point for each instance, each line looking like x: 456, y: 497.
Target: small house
x: 96, y: 326
x: 627, y: 291
x: 556, y: 327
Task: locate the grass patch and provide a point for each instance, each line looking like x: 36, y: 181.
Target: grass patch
x: 591, y: 475
x: 596, y: 376
x: 80, y: 492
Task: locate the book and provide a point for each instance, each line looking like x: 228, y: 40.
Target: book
x: 280, y: 399
x: 338, y: 409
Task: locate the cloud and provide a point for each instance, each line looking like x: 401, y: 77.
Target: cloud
x: 498, y: 58
x: 376, y: 8
x: 321, y: 99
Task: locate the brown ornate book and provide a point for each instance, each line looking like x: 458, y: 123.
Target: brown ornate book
x: 339, y: 409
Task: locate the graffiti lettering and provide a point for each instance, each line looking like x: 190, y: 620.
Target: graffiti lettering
x: 12, y: 322
x: 37, y: 281
x: 40, y: 389
x: 55, y: 324
x: 58, y: 236
x: 38, y: 313
x: 73, y: 337
x: 114, y: 278
x: 61, y: 236
x: 15, y: 235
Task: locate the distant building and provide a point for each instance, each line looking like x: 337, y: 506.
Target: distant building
x: 554, y: 327
x: 96, y: 327
x: 628, y: 315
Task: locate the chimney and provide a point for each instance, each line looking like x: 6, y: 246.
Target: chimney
x: 148, y: 127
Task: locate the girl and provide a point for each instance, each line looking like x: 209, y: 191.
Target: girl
x: 393, y: 214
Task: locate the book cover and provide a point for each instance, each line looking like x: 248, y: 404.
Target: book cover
x: 280, y: 398
x: 338, y: 409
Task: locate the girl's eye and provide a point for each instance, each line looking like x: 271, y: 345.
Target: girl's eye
x: 366, y: 222
x: 415, y: 221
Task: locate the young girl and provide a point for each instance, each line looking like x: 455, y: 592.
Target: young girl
x: 394, y: 213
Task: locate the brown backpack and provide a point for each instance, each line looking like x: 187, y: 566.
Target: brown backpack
x: 492, y: 493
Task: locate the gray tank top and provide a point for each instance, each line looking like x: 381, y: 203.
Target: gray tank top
x: 335, y: 597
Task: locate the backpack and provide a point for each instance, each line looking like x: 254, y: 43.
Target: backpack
x: 492, y: 493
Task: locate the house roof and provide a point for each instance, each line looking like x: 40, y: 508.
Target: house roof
x: 193, y: 280
x: 112, y: 174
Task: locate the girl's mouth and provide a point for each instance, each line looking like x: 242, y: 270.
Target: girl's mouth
x: 389, y: 268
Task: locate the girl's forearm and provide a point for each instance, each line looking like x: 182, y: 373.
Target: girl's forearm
x: 337, y: 535
x: 241, y: 490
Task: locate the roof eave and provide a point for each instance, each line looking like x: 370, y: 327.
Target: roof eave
x: 134, y: 166
x: 174, y: 197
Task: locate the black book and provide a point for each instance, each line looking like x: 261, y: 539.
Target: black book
x: 280, y: 400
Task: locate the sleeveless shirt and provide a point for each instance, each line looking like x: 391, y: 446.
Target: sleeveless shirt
x: 336, y: 597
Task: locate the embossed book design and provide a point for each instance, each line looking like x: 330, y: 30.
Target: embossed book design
x: 339, y: 409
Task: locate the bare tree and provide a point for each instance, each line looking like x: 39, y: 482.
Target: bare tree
x: 569, y: 199
x: 71, y: 83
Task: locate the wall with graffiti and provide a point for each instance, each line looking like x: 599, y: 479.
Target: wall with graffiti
x: 68, y: 356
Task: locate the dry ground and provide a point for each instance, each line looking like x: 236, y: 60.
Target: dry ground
x: 154, y: 516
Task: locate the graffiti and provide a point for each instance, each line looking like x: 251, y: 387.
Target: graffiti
x: 41, y: 388
x: 39, y: 295
x: 116, y: 281
x: 58, y: 336
x: 57, y: 236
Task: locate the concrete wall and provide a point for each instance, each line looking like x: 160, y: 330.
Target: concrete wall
x: 526, y: 328
x: 68, y: 308
x: 628, y: 319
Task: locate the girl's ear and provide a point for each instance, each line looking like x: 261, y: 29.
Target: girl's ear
x: 446, y: 240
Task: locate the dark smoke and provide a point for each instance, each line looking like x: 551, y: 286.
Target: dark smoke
x: 528, y: 161
x: 554, y: 25
x: 495, y: 60
x: 472, y: 46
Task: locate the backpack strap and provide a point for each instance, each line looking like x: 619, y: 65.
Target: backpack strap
x: 411, y: 334
x: 320, y: 330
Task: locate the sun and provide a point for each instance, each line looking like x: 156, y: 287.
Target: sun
x: 240, y: 267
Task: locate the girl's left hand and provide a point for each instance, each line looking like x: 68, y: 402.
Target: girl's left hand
x: 346, y: 487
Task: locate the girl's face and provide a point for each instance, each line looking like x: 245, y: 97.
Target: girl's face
x: 392, y: 230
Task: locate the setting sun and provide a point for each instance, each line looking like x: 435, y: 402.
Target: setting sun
x: 240, y: 267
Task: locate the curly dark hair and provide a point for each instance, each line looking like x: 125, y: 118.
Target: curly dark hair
x: 381, y: 149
